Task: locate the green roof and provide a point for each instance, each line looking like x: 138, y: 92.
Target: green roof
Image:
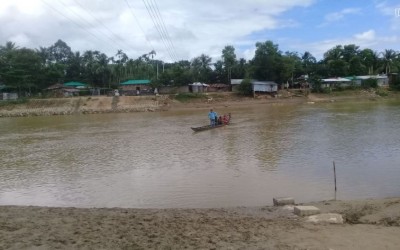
x: 135, y: 82
x: 74, y: 84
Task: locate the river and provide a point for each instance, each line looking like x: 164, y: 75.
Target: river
x: 154, y: 159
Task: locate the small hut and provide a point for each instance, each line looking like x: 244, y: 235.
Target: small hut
x: 135, y: 87
x: 198, y: 87
x: 219, y: 87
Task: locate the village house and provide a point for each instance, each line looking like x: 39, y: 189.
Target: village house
x: 382, y: 80
x: 198, y: 87
x: 235, y: 84
x: 335, y: 82
x: 219, y: 87
x: 268, y: 87
x: 135, y: 87
x: 257, y: 86
x: 66, y: 90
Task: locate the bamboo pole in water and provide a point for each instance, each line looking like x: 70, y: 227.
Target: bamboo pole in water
x: 334, y: 173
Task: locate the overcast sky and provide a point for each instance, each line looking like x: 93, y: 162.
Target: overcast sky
x: 184, y: 29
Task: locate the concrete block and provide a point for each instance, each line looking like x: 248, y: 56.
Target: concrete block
x: 306, y: 210
x: 326, y: 218
x: 282, y: 201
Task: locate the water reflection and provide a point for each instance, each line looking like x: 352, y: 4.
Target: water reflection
x: 155, y: 160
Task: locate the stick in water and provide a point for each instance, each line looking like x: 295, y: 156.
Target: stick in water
x: 334, y: 172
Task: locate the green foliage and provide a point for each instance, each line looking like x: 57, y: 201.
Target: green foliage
x: 13, y: 102
x: 369, y: 83
x: 339, y: 88
x: 381, y: 92
x: 84, y: 93
x: 245, y: 87
x: 316, y: 84
x: 266, y: 62
x: 395, y: 85
x: 185, y: 97
x: 30, y: 71
x: 326, y: 90
x: 353, y: 86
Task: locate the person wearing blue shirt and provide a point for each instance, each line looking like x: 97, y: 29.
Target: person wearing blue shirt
x: 212, y: 115
x: 215, y: 118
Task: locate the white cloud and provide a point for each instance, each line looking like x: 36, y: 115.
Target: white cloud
x: 335, y: 16
x: 386, y: 10
x: 367, y: 39
x: 392, y: 12
x: 195, y: 27
x: 365, y: 36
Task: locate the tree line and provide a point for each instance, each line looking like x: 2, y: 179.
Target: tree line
x: 32, y: 70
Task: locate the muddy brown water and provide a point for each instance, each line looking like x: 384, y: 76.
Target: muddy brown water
x: 154, y: 160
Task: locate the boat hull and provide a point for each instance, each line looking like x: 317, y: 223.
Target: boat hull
x: 207, y: 127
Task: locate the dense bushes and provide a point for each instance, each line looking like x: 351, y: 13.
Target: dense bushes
x: 245, y: 87
x: 369, y: 83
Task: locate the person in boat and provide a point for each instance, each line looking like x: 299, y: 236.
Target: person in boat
x: 225, y: 119
x: 212, y: 116
x: 215, y: 118
x: 219, y: 120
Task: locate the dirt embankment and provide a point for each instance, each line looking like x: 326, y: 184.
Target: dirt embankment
x: 104, y: 104
x: 369, y: 224
x: 84, y: 105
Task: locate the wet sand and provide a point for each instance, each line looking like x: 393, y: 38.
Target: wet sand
x: 369, y: 224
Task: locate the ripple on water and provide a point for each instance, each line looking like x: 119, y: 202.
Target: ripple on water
x: 155, y: 160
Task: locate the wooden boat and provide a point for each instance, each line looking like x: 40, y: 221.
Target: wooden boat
x: 206, y: 127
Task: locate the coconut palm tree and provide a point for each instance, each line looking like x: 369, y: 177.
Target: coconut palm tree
x: 388, y: 56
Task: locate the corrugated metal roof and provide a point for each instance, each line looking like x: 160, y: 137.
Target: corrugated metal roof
x: 56, y: 86
x: 74, y: 84
x: 338, y: 79
x: 135, y: 82
x: 366, y: 77
x: 263, y: 83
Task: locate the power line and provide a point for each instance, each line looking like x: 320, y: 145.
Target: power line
x: 76, y: 23
x: 157, y: 26
x: 165, y: 28
x: 158, y: 30
x: 88, y: 23
x: 109, y: 30
x: 137, y: 21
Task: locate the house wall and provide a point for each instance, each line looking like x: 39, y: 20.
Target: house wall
x: 269, y: 88
x: 142, y: 87
x: 9, y: 96
x: 235, y: 88
x: 173, y: 90
x: 383, y: 81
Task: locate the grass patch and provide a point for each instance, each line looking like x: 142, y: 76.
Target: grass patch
x: 382, y: 92
x: 354, y: 214
x: 185, y: 97
x: 5, y: 103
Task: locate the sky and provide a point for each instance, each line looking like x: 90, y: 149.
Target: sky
x: 185, y: 29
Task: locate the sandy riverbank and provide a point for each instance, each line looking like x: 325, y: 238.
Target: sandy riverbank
x: 369, y: 224
x: 123, y: 104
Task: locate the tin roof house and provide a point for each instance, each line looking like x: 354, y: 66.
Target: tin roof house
x: 335, y: 82
x: 135, y: 87
x: 382, y: 80
x: 264, y: 86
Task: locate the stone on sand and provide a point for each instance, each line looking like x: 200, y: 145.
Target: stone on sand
x: 306, y: 210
